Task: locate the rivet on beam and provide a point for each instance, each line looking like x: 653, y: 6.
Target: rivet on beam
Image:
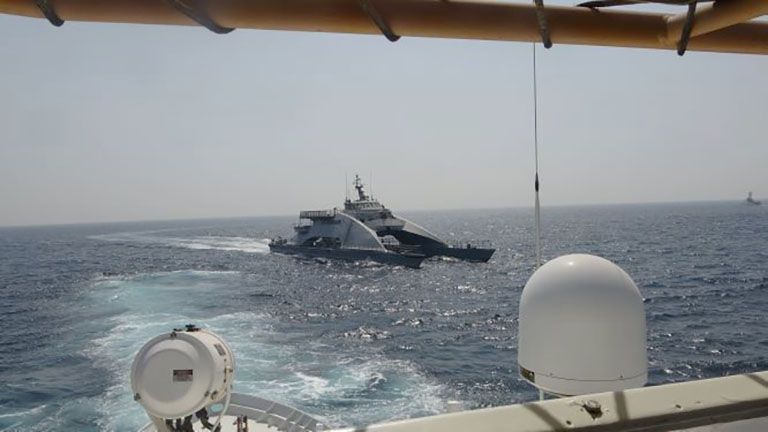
x: 197, y: 13
x: 378, y: 20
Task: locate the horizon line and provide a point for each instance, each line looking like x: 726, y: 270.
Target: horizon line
x: 203, y: 218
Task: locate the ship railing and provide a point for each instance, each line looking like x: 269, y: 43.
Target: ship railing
x: 471, y: 244
x: 264, y: 411
x: 317, y: 214
x: 394, y: 223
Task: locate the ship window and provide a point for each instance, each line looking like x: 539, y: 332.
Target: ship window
x: 389, y: 240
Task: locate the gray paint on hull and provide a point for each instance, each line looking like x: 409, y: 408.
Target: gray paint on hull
x: 384, y: 257
x: 350, y: 232
x: 467, y: 254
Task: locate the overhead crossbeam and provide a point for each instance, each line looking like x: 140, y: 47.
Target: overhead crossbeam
x: 716, y: 16
x: 541, y: 18
x: 455, y: 19
x: 49, y: 13
x: 196, y: 12
x: 379, y: 20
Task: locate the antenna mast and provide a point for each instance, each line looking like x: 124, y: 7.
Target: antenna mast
x: 537, y: 207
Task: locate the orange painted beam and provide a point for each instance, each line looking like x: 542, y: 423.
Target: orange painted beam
x: 456, y: 19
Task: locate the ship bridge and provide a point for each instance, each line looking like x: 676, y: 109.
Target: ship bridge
x: 383, y: 222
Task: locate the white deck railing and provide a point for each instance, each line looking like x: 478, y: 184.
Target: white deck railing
x: 314, y: 214
x: 265, y: 411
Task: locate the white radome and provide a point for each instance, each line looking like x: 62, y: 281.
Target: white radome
x: 177, y: 374
x: 582, y: 328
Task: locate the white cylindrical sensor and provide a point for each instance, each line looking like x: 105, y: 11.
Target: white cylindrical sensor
x: 177, y: 374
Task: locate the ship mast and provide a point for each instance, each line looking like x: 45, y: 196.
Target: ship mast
x: 360, y: 189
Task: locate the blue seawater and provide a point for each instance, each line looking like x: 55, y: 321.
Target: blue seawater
x: 356, y: 343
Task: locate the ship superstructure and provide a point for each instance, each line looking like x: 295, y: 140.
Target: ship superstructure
x: 404, y: 234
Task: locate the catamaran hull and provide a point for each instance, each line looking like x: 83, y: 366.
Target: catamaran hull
x: 471, y: 254
x: 389, y: 258
x: 466, y: 254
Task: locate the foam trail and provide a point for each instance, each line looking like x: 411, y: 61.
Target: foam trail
x: 223, y: 243
x: 341, y: 388
x: 24, y: 413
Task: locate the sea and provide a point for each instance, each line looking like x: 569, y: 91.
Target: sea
x: 357, y: 343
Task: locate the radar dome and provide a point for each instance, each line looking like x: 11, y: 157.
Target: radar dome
x: 582, y: 328
x: 179, y: 373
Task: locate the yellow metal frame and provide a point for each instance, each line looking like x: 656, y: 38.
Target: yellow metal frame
x: 723, y: 26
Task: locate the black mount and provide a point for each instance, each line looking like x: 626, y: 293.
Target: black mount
x: 685, y: 36
x: 541, y: 17
x: 374, y: 14
x: 195, y: 11
x: 49, y: 13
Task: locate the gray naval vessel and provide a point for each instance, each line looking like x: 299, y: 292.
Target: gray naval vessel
x: 366, y: 229
x: 337, y: 235
x: 751, y: 200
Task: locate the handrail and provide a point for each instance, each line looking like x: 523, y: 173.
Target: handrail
x: 283, y: 417
x: 314, y: 214
x: 471, y: 244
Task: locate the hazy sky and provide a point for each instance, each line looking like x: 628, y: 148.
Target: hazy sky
x: 125, y: 122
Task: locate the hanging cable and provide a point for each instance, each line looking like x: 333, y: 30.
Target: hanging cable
x: 537, y: 209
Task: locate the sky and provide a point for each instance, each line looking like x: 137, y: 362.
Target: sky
x: 103, y: 122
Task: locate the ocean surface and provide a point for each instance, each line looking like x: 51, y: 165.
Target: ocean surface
x: 354, y: 343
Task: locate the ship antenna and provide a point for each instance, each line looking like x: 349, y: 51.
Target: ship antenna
x: 346, y: 185
x: 370, y: 184
x: 537, y: 206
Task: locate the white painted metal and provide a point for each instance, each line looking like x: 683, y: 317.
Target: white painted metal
x: 582, y: 328
x: 176, y: 374
x: 351, y: 233
x: 731, y: 404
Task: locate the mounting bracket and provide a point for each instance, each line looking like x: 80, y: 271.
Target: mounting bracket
x: 374, y: 14
x: 542, y: 19
x: 685, y: 36
x: 49, y: 13
x: 197, y: 13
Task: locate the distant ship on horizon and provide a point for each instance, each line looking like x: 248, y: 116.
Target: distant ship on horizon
x: 751, y: 200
